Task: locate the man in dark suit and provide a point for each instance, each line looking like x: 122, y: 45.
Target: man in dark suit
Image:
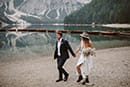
x: 61, y: 54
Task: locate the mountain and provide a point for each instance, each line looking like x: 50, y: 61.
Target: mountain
x: 101, y: 11
x: 38, y: 11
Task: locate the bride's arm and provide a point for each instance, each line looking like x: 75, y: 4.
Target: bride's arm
x: 77, y: 49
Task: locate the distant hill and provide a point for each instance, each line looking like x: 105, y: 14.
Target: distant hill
x: 37, y: 11
x: 101, y: 11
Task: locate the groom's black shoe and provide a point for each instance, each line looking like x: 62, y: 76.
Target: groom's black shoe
x: 59, y: 80
x: 66, y: 77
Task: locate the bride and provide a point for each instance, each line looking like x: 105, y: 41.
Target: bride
x: 85, y: 62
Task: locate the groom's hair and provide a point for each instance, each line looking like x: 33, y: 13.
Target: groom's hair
x: 59, y: 32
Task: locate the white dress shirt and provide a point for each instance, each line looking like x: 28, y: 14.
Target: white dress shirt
x: 58, y: 45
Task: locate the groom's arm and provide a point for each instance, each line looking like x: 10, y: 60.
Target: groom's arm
x: 70, y: 49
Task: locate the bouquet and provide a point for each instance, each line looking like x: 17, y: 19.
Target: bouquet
x: 88, y: 51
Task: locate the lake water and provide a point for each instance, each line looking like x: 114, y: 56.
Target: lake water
x: 43, y: 43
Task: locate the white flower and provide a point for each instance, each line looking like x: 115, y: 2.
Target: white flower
x: 88, y: 51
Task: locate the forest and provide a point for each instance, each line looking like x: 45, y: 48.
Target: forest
x: 101, y: 12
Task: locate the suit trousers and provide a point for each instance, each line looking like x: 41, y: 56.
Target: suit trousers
x: 60, y: 64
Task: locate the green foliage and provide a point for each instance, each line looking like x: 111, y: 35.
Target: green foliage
x: 101, y: 11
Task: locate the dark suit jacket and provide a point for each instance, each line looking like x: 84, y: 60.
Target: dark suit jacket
x: 63, y: 50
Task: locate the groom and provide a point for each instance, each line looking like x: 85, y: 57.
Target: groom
x: 61, y: 54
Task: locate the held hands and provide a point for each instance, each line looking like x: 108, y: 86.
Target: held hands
x: 74, y: 55
x: 54, y: 58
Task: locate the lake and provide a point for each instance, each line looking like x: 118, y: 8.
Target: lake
x: 43, y: 43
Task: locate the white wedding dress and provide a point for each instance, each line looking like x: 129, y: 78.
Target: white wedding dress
x: 86, y: 61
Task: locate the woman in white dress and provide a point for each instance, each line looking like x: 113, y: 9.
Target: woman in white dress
x: 85, y: 62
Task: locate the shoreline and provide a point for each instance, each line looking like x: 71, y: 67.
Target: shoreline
x: 111, y: 68
x: 117, y: 25
x: 113, y: 25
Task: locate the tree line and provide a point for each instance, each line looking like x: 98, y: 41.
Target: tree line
x: 101, y: 12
